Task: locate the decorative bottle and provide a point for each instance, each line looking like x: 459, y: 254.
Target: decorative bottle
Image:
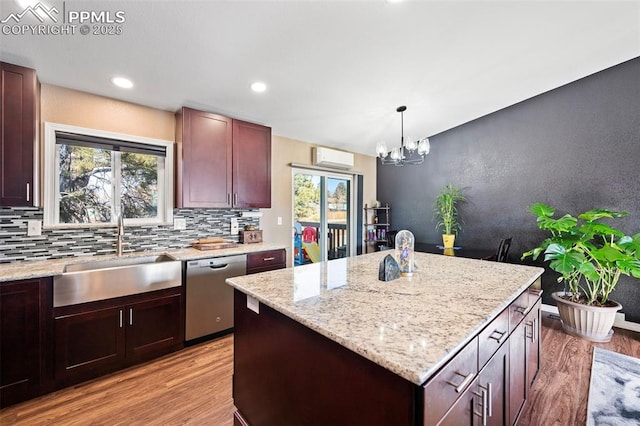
x: 404, y: 252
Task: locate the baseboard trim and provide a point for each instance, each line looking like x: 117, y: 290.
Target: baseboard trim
x: 621, y: 322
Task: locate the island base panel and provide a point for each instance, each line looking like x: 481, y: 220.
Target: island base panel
x: 285, y: 373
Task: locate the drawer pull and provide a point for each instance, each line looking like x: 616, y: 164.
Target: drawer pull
x: 520, y: 309
x: 535, y: 291
x: 498, y: 336
x: 268, y: 259
x: 467, y: 379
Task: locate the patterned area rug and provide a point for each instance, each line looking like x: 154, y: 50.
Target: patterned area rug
x: 614, y: 391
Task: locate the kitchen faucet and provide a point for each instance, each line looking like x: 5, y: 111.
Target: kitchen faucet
x: 120, y: 235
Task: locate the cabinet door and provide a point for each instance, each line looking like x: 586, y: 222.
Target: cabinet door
x: 204, y: 159
x: 493, y: 380
x: 251, y: 165
x: 532, y: 329
x: 19, y: 341
x: 461, y: 413
x: 89, y: 344
x: 517, y: 371
x: 154, y: 327
x: 18, y: 128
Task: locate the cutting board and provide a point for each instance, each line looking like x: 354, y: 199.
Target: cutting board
x: 214, y: 243
x: 214, y: 246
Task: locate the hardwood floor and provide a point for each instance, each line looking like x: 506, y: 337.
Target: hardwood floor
x: 194, y: 387
x: 561, y: 391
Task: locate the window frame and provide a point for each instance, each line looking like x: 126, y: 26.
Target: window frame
x: 51, y: 176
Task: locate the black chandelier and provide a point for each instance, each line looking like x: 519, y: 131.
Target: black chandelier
x: 409, y: 152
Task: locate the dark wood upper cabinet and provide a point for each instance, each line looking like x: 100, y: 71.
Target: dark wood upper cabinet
x: 251, y: 165
x: 221, y: 162
x: 19, y: 129
x: 203, y: 169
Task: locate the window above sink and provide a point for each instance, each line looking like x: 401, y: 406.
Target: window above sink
x: 92, y: 176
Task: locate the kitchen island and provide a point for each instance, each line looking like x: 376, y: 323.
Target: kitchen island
x: 329, y: 343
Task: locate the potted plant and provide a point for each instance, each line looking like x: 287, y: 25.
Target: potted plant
x: 445, y: 213
x: 590, y: 257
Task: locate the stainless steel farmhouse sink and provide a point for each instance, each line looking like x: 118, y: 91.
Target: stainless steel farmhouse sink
x: 115, y: 263
x: 109, y: 278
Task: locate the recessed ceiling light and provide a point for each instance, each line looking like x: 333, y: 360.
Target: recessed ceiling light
x: 259, y: 87
x: 394, y: 1
x: 125, y: 83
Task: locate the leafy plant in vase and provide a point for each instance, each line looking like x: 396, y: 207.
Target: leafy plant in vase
x: 445, y: 213
x: 590, y: 257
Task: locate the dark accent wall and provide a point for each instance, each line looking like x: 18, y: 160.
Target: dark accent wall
x: 576, y: 147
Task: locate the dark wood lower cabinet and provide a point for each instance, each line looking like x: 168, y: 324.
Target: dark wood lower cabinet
x: 153, y: 328
x: 263, y: 261
x: 285, y: 373
x: 491, y: 391
x: 524, y: 359
x: 24, y: 339
x: 517, y: 372
x: 88, y: 344
x: 532, y: 343
x: 97, y: 338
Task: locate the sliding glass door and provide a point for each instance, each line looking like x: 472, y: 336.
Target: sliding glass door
x: 322, y: 214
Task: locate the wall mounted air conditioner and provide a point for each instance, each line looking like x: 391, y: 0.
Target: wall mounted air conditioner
x: 332, y: 158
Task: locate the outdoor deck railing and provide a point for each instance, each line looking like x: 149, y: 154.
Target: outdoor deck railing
x: 337, y: 238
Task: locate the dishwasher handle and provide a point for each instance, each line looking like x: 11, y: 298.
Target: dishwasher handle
x: 219, y: 266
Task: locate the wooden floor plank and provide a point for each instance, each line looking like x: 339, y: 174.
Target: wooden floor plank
x: 193, y: 387
x: 560, y: 394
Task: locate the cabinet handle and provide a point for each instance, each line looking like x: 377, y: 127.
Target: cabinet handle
x: 229, y: 198
x: 532, y: 325
x: 130, y: 316
x: 467, y: 379
x: 520, y: 309
x: 484, y: 413
x: 500, y: 338
x: 235, y: 198
x: 120, y: 318
x: 490, y: 400
x: 268, y: 259
x: 28, y: 195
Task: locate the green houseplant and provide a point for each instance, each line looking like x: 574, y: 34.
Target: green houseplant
x: 445, y: 213
x: 590, y: 257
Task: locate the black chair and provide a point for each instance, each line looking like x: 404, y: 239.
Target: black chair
x: 503, y: 250
x: 391, y: 239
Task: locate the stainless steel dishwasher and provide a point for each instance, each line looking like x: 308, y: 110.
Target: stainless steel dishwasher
x: 209, y: 300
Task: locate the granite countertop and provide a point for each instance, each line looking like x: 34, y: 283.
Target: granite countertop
x: 412, y: 325
x: 47, y: 268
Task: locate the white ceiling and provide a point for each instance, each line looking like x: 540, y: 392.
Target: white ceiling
x: 336, y: 70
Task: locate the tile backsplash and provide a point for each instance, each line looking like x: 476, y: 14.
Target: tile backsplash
x: 16, y: 246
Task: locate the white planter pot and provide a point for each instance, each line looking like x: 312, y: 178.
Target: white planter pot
x: 592, y: 323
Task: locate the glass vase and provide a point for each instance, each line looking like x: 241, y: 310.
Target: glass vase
x: 404, y: 252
